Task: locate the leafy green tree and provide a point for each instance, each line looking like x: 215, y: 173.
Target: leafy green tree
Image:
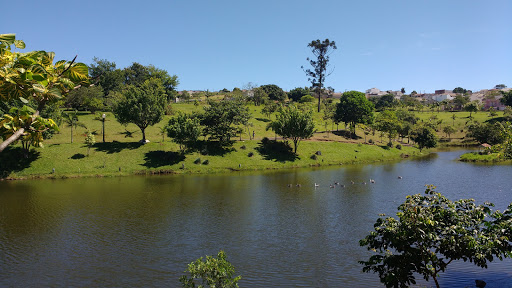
x: 500, y: 86
x: 71, y: 120
x: 33, y: 76
x: 448, y: 130
x: 471, y: 107
x: 491, y: 133
x: 430, y: 232
x: 106, y: 75
x: 259, y: 96
x: 293, y: 123
x: 137, y: 74
x: 507, y: 98
x: 425, y: 137
x: 142, y: 105
x: 387, y: 122
x: 460, y: 101
x: 184, y: 129
x: 86, y: 99
x: 274, y: 92
x: 453, y: 118
x: 402, y: 90
x: 321, y: 50
x: 492, y: 112
x: 223, y: 120
x: 90, y: 140
x: 306, y: 99
x: 297, y: 93
x: 270, y: 107
x: 354, y: 108
x: 460, y: 90
x: 385, y: 101
x: 413, y: 93
x: 213, y: 272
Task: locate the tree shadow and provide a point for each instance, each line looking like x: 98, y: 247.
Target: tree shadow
x: 77, y: 156
x: 496, y: 119
x: 15, y: 159
x: 263, y: 119
x: 116, y: 147
x: 128, y: 134
x: 346, y: 134
x: 278, y: 151
x: 213, y: 148
x: 155, y: 159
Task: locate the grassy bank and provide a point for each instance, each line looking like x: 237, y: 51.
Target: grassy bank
x: 123, y: 155
x: 128, y: 158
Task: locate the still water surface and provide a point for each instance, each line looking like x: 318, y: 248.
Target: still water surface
x: 142, y: 231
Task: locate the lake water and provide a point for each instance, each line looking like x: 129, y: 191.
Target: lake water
x: 143, y: 231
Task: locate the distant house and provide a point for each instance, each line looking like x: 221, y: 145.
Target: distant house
x: 374, y: 92
x: 443, y: 91
x: 494, y: 102
x: 441, y: 97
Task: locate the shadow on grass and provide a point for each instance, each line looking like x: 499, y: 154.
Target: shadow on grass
x: 262, y: 119
x: 155, y: 159
x: 278, y: 151
x: 346, y: 134
x: 497, y: 119
x: 116, y: 147
x: 77, y: 156
x: 128, y: 134
x: 16, y: 159
x: 213, y: 148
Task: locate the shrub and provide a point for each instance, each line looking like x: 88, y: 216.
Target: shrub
x: 390, y: 144
x: 314, y: 157
x: 206, y: 162
x: 398, y: 146
x: 306, y: 99
x: 243, y: 147
x: 197, y: 161
x: 250, y: 154
x: 370, y: 141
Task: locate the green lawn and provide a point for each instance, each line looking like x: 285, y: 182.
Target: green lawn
x: 123, y: 155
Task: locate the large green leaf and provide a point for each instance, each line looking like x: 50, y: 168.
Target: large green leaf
x: 39, y: 88
x: 54, y: 93
x: 8, y: 38
x: 78, y: 72
x: 19, y: 44
x: 37, y: 68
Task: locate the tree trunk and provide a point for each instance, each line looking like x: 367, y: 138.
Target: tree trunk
x: 71, y: 133
x: 143, y: 135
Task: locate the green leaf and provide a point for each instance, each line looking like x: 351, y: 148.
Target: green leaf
x: 39, y: 77
x: 8, y: 38
x: 39, y: 88
x: 19, y: 44
x: 78, y: 72
x: 23, y: 100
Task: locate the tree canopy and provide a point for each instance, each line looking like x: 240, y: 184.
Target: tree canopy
x: 183, y: 129
x: 142, y: 104
x: 297, y: 93
x: 430, y: 232
x: 354, y: 108
x: 293, y: 123
x: 425, y: 137
x: 222, y: 119
x: 33, y: 76
x: 321, y: 50
x: 212, y: 272
x: 274, y: 92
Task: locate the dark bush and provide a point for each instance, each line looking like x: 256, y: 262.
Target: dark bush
x: 197, y: 161
x: 206, y: 162
x: 370, y: 141
x: 390, y: 144
x: 250, y: 154
x: 243, y: 147
x: 314, y: 157
x: 398, y: 146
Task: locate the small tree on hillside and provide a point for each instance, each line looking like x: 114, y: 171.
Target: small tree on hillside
x: 293, y: 123
x: 183, y: 129
x: 71, y: 120
x: 430, y: 232
x: 223, y: 120
x: 142, y: 105
x: 425, y: 137
x: 448, y: 130
x: 90, y: 140
x: 321, y: 50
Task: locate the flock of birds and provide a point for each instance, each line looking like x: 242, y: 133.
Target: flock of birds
x: 338, y: 183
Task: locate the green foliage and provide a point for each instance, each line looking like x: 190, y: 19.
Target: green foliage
x: 33, y: 76
x: 385, y: 101
x: 490, y: 133
x: 90, y: 140
x: 430, y: 232
x: 106, y: 75
x: 425, y: 137
x: 86, y: 99
x: 321, y: 50
x: 471, y: 107
x: 212, y: 272
x: 222, y: 120
x: 270, y: 107
x: 183, y: 129
x: 460, y: 90
x: 295, y: 124
x: 142, y: 105
x: 71, y: 120
x: 354, y: 108
x: 306, y: 99
x: 274, y: 92
x: 387, y: 121
x: 507, y: 98
x: 448, y: 130
x: 297, y: 93
x: 260, y: 96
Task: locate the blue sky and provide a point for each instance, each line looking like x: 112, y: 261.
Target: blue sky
x: 421, y: 45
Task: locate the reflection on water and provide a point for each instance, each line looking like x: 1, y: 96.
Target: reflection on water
x: 142, y: 231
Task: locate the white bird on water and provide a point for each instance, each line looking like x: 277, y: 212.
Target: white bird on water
x: 316, y: 185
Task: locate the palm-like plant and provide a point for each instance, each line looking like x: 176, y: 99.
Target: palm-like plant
x: 71, y: 120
